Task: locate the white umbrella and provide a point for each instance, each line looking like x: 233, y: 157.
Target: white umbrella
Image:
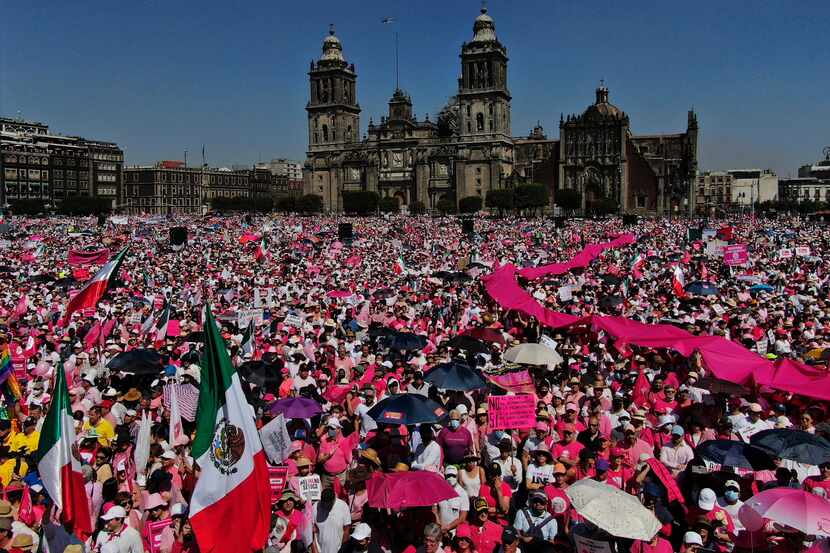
x: 613, y: 510
x: 532, y: 354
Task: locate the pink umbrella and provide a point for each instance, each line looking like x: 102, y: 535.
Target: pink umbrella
x: 399, y: 490
x: 339, y: 293
x: 791, y: 507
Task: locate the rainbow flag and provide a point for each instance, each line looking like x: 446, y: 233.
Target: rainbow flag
x: 12, y: 391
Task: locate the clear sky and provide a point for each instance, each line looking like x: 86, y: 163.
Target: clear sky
x: 163, y: 76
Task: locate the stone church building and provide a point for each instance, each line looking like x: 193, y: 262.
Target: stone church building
x: 469, y: 148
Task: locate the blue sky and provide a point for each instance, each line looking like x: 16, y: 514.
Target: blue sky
x: 161, y: 76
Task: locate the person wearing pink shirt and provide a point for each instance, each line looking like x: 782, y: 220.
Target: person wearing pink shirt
x: 335, y: 453
x: 633, y: 447
x: 567, y: 450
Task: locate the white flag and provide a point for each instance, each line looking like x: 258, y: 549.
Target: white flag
x: 176, y: 431
x: 276, y: 441
x: 257, y: 300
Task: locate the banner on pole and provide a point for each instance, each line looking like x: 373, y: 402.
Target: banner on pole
x: 735, y: 254
x: 277, y: 477
x: 245, y: 316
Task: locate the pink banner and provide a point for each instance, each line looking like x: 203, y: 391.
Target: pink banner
x: 580, y: 260
x: 83, y: 257
x: 519, y: 381
x: 277, y: 479
x: 735, y: 254
x: 154, y: 530
x: 507, y: 412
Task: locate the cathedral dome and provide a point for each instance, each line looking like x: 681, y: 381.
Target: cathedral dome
x: 332, y: 48
x: 602, y: 107
x: 484, y: 28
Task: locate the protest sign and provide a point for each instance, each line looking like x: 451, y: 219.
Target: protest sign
x: 548, y: 342
x: 277, y: 477
x: 761, y: 346
x: 245, y: 316
x: 565, y: 294
x: 718, y: 309
x: 154, y: 530
x: 709, y: 233
x: 735, y: 254
x: 293, y: 320
x: 310, y: 487
x: 715, y: 248
x: 517, y: 381
x: 587, y: 545
x: 511, y: 411
x: 785, y: 253
x: 276, y: 441
x: 802, y: 251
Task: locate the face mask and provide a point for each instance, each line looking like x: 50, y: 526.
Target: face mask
x: 731, y: 496
x: 332, y: 432
x: 455, y: 424
x: 499, y: 435
x: 452, y: 480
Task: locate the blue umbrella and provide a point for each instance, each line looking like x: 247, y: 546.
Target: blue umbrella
x: 761, y: 288
x: 730, y: 453
x: 795, y: 445
x: 407, y: 409
x: 455, y: 376
x: 700, y: 288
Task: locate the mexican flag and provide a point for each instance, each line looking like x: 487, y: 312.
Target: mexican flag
x: 262, y: 249
x: 637, y: 264
x: 231, y: 505
x: 161, y: 325
x: 399, y: 266
x: 679, y: 282
x: 95, y: 288
x: 58, y: 461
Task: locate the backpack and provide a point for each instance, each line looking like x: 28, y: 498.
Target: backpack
x: 535, y: 530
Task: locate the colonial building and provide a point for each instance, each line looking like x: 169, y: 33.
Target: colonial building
x: 811, y: 185
x: 469, y: 149
x: 37, y: 165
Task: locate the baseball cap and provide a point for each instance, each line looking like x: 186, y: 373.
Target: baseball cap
x: 706, y: 500
x: 755, y: 408
x: 541, y: 427
x: 168, y: 455
x: 480, y: 505
x: 678, y: 430
x: 451, y: 470
x: 571, y: 407
x: 603, y: 465
x: 617, y: 452
x: 361, y: 531
x: 559, y: 468
x: 114, y: 512
x: 732, y: 484
x: 692, y: 538
x: 538, y: 496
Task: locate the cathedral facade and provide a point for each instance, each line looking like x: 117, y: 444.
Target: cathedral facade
x: 469, y: 148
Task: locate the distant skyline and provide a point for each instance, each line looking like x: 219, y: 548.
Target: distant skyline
x: 160, y: 78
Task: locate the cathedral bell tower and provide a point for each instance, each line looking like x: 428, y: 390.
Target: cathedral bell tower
x: 483, y: 98
x: 333, y: 111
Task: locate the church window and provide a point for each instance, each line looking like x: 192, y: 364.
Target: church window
x: 479, y: 121
x: 349, y: 132
x: 325, y: 133
x: 468, y: 127
x: 468, y: 110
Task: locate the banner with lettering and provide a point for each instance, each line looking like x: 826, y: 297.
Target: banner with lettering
x: 506, y: 412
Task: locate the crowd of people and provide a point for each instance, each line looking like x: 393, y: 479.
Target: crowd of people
x: 349, y: 323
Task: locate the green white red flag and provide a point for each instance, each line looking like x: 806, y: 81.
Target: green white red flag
x: 231, y: 505
x: 96, y: 287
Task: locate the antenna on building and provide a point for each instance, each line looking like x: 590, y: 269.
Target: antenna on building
x: 185, y: 159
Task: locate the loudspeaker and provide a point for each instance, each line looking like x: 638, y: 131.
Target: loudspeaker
x: 344, y: 231
x: 630, y: 219
x: 178, y: 236
x: 468, y: 226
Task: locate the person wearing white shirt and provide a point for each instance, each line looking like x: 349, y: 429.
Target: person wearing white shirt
x: 511, y: 467
x: 754, y: 423
x: 118, y: 537
x: 677, y: 454
x: 731, y: 503
x: 453, y: 512
x: 367, y: 423
x: 427, y: 453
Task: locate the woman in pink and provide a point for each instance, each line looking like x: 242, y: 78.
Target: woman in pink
x: 656, y: 545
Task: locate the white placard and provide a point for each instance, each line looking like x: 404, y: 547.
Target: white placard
x: 548, y: 342
x: 565, y: 294
x: 310, y: 487
x: 244, y: 316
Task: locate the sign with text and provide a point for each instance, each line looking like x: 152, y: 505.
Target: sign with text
x: 587, y: 545
x: 735, y: 254
x: 715, y: 247
x: 802, y: 251
x: 311, y: 487
x: 511, y: 411
x: 277, y: 477
x: 565, y: 294
x: 293, y: 320
x: 245, y: 316
x: 785, y: 253
x: 154, y: 530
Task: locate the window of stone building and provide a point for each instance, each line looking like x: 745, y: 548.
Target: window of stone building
x: 325, y: 133
x: 479, y: 121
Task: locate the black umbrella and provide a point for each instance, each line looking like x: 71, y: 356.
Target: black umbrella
x: 468, y: 343
x: 717, y: 386
x: 795, y: 445
x: 377, y: 329
x: 731, y: 453
x: 198, y: 336
x: 260, y: 373
x: 455, y: 376
x: 41, y: 278
x: 407, y: 409
x: 610, y: 279
x: 137, y: 361
x: 384, y: 293
x: 404, y: 341
x: 610, y: 302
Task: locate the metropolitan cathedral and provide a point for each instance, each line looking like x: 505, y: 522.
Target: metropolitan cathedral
x: 468, y: 148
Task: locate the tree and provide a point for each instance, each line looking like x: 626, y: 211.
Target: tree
x: 309, y: 203
x: 360, y: 202
x: 389, y: 205
x: 502, y: 200
x: 470, y: 204
x: 286, y: 204
x: 445, y: 205
x: 568, y: 199
x: 27, y: 207
x: 84, y: 205
x: 531, y: 197
x: 417, y: 208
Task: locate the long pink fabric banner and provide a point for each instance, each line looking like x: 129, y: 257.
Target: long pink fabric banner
x: 580, y: 260
x: 726, y: 359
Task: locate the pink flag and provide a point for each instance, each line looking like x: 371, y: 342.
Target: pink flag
x: 22, y: 306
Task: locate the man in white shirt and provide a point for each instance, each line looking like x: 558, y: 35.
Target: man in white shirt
x: 453, y: 512
x: 677, y: 454
x: 331, y: 518
x: 118, y: 537
x: 367, y: 423
x: 303, y: 379
x: 426, y: 451
x: 754, y: 423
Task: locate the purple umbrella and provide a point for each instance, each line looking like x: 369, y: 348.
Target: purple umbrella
x: 296, y: 408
